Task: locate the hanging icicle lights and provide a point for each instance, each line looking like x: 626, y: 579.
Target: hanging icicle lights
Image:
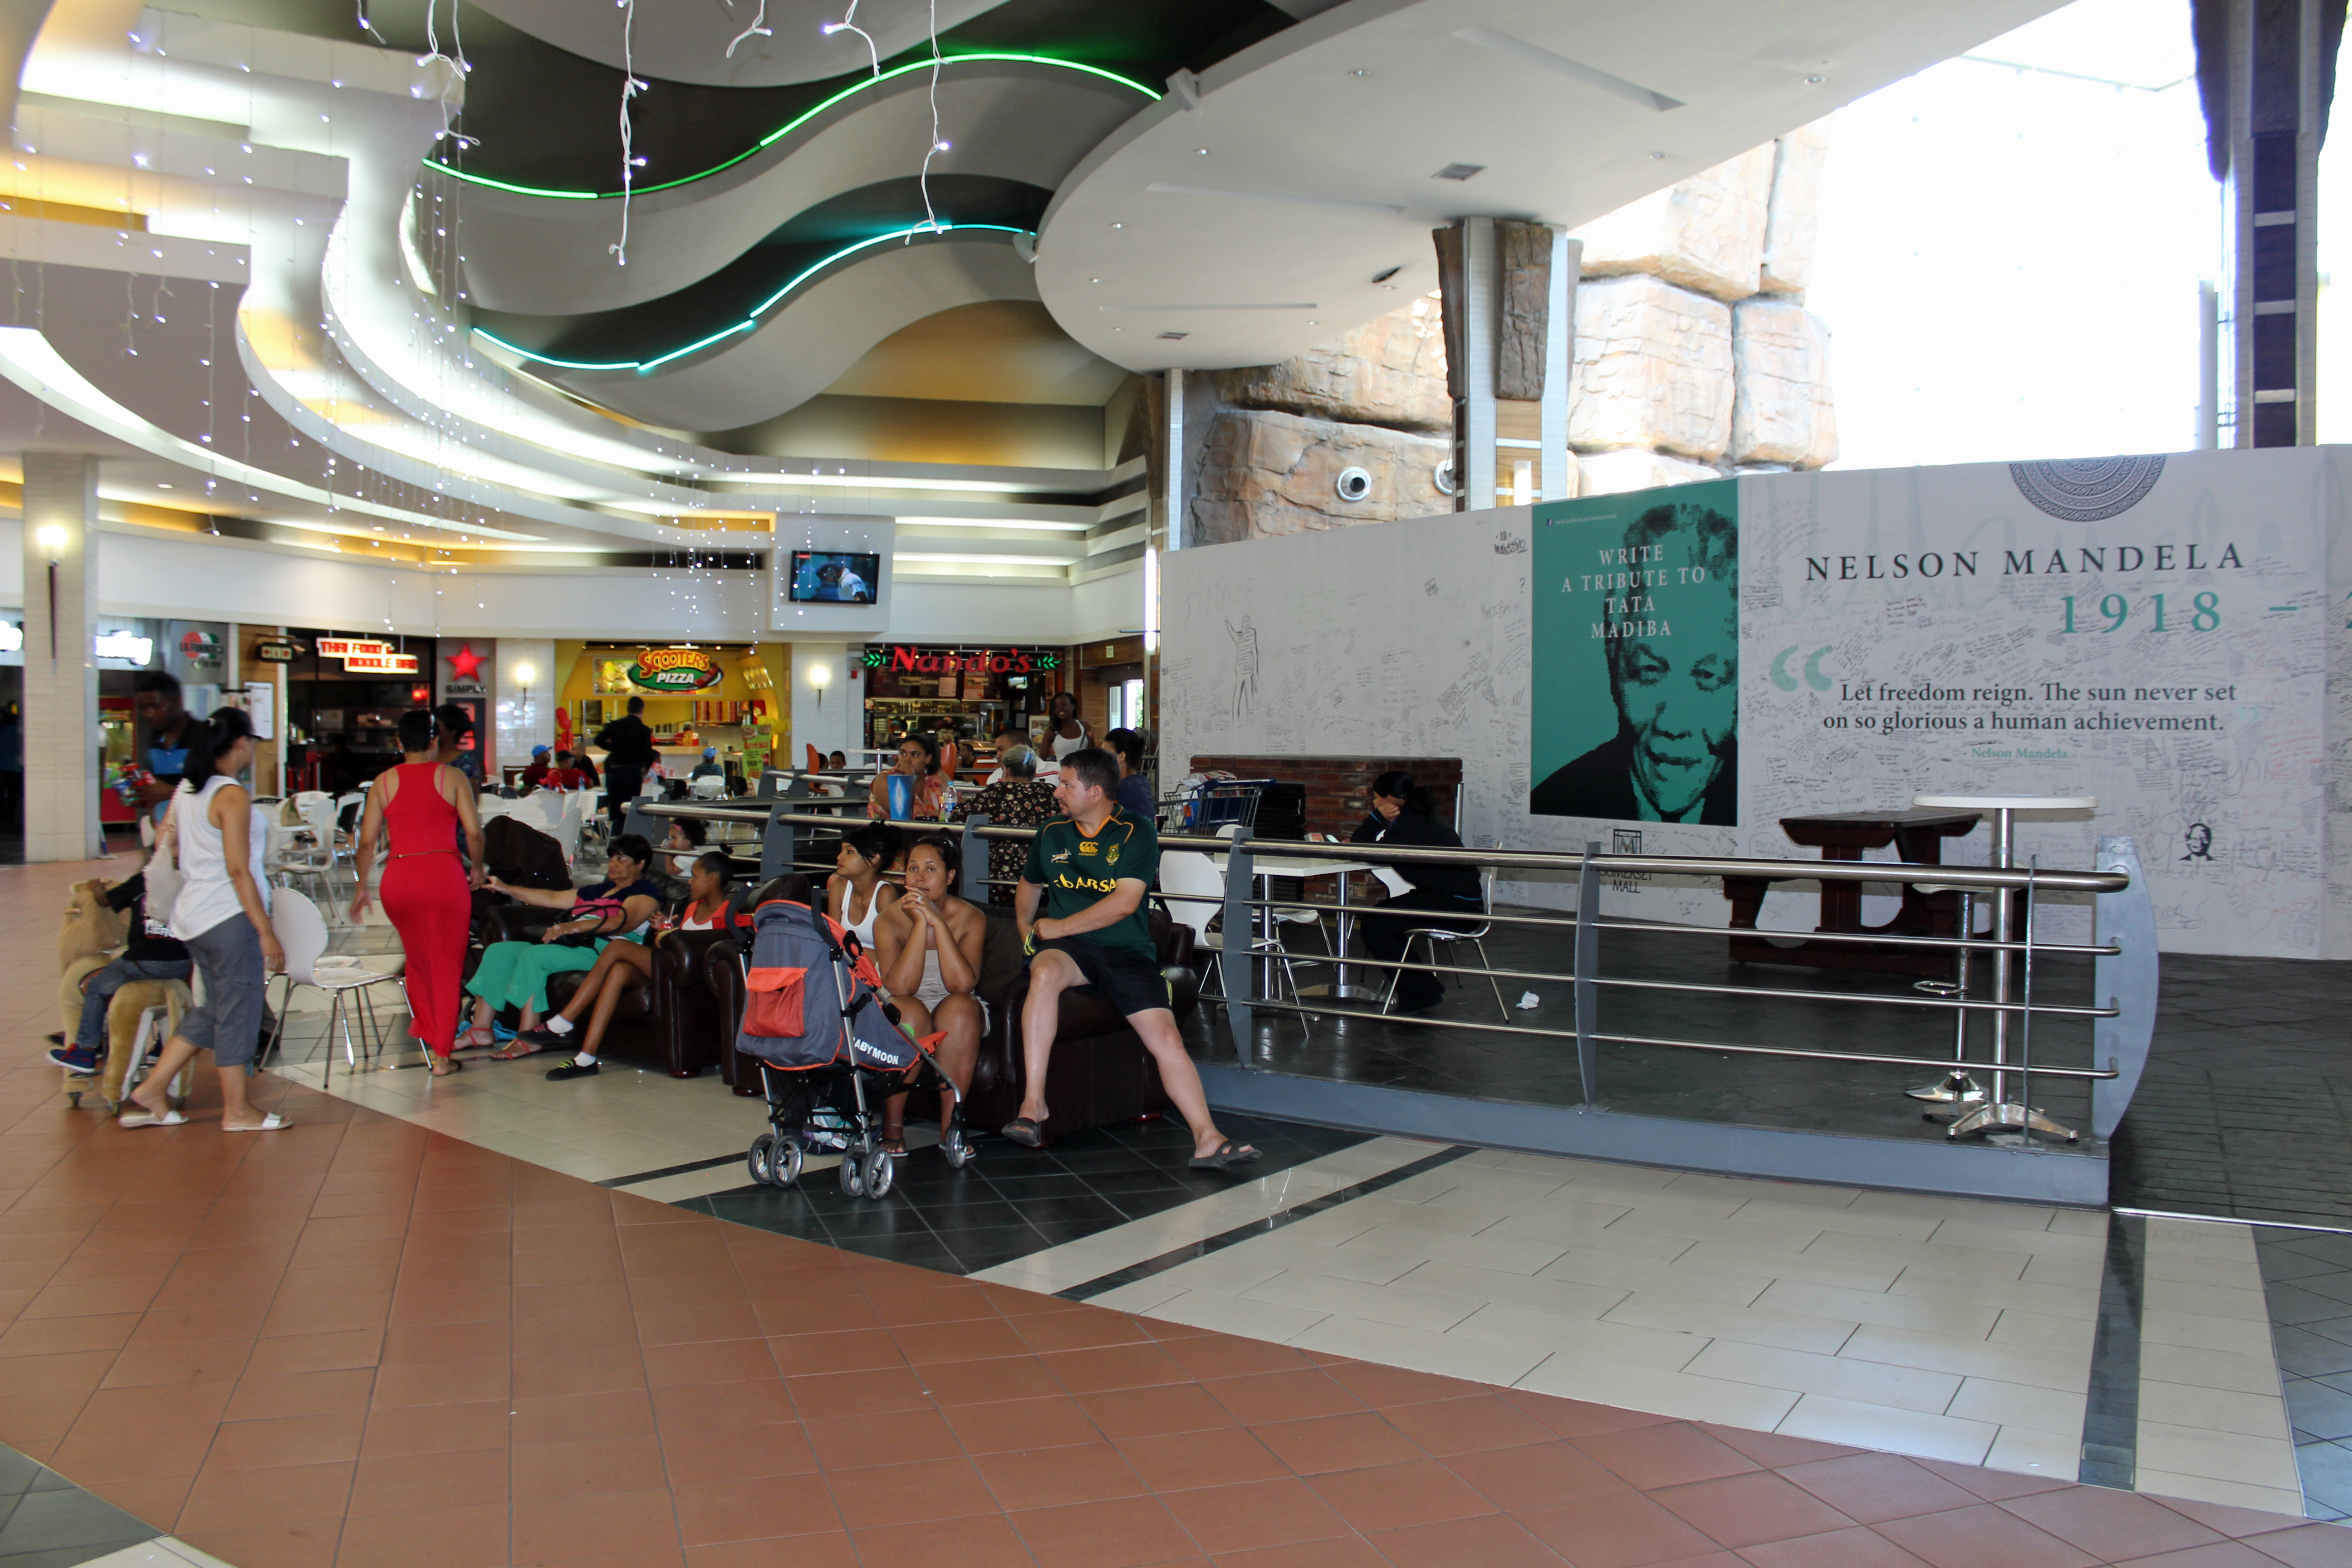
x: 630, y: 163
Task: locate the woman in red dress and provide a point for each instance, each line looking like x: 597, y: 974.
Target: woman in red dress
x: 426, y: 889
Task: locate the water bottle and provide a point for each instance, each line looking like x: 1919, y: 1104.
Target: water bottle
x: 901, y: 788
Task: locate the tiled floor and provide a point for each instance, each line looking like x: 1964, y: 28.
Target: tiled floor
x: 2309, y: 1280
x: 362, y: 1341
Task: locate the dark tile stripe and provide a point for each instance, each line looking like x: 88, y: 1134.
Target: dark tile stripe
x: 687, y: 1169
x: 2111, y: 1413
x: 1273, y: 1222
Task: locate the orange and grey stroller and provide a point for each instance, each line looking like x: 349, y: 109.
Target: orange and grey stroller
x: 830, y: 1051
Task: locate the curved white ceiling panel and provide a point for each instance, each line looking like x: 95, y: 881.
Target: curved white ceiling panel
x: 1253, y: 215
x: 687, y: 40
x: 539, y: 256
x: 826, y: 327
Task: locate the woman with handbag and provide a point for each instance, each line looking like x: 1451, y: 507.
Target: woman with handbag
x: 425, y: 806
x: 514, y: 973
x: 208, y: 873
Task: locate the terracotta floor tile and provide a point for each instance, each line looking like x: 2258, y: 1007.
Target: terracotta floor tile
x: 2309, y: 1546
x: 1490, y: 1541
x: 1396, y: 1497
x: 1623, y: 1530
x: 95, y: 1456
x: 545, y: 1470
x: 1114, y: 1367
x: 1773, y: 1450
x: 969, y: 1339
x: 855, y: 1442
x: 832, y: 1551
x: 1292, y: 1395
x: 2234, y: 1522
x: 1016, y: 1425
x: 2219, y: 1554
x: 427, y: 1482
x: 739, y: 1453
x: 57, y: 1336
x: 910, y: 1494
x: 103, y: 1296
x: 308, y: 1545
x: 264, y: 1398
x: 579, y: 1417
x: 835, y: 1350
x: 700, y: 1406
x: 1535, y: 1475
x: 1875, y: 1486
x: 1475, y: 1423
x: 1742, y: 1511
x: 163, y: 1404
x: 605, y: 1523
x: 709, y: 1361
x: 1058, y: 1478
x: 872, y: 1393
x: 157, y: 1499
x: 436, y: 1429
x: 2109, y: 1524
x: 1183, y: 1460
x: 1577, y: 1418
x: 407, y: 1344
x: 329, y: 1315
x: 685, y: 1325
x: 287, y: 1440
x: 1090, y: 1331
x: 195, y: 1325
x: 579, y: 1369
x: 990, y: 1382
x: 472, y: 1537
x: 1120, y: 1532
x: 1381, y: 1386
x: 1156, y: 1411
x: 1336, y: 1443
x: 1252, y: 1514
x: 1854, y: 1548
x: 966, y: 1543
x: 1332, y: 1552
x: 40, y: 1418
x: 288, y: 1354
x: 771, y: 1508
x: 1972, y: 1536
x: 240, y: 1499
x: 424, y: 1308
x: 1665, y: 1455
x: 1993, y: 1486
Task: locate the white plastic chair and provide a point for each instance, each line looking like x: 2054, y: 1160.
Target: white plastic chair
x: 292, y: 852
x: 1474, y: 937
x: 1193, y: 890
x: 706, y: 788
x: 302, y: 933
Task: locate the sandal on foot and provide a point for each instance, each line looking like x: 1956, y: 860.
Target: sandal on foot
x: 521, y: 1048
x: 270, y: 1123
x: 895, y: 1144
x: 442, y: 1067
x: 1021, y: 1129
x: 150, y: 1119
x: 1225, y: 1156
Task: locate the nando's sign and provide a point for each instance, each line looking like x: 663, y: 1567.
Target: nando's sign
x: 902, y: 659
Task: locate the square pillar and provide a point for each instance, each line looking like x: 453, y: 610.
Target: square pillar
x: 61, y: 735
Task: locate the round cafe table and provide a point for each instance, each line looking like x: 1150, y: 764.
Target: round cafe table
x: 1995, y: 1112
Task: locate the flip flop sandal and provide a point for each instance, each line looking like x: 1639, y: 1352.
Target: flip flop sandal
x: 516, y: 1052
x: 270, y: 1123
x: 151, y: 1118
x: 446, y: 1066
x: 1021, y: 1129
x: 1227, y: 1155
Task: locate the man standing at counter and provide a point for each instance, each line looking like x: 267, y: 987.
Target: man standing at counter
x: 1089, y: 872
x: 628, y: 753
x: 164, y: 726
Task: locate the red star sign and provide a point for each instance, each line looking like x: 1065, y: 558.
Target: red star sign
x: 466, y: 664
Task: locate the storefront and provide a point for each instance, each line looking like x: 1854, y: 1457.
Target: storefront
x: 965, y: 694
x: 345, y: 696
x: 697, y: 695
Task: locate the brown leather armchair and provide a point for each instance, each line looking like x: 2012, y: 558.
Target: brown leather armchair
x: 673, y: 1021
x: 1099, y: 1074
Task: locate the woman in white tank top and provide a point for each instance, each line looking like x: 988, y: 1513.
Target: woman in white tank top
x: 222, y: 914
x: 856, y: 893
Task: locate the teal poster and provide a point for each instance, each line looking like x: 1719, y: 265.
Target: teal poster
x: 1635, y: 696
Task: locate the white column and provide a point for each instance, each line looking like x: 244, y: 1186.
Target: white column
x: 1478, y: 263
x: 61, y: 739
x: 1559, y: 363
x: 523, y: 703
x: 828, y: 708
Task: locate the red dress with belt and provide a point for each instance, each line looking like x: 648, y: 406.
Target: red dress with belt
x: 426, y: 896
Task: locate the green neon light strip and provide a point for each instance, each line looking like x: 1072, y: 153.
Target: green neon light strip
x: 748, y: 323
x: 786, y: 129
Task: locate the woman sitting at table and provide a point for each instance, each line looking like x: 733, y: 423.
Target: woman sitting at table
x: 1019, y: 799
x: 927, y: 946
x: 514, y: 973
x: 918, y: 759
x: 1405, y: 817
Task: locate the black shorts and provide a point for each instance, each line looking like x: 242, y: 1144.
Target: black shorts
x: 1128, y: 981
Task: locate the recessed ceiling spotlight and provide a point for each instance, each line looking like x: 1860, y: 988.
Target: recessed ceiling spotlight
x: 1094, y: 280
x: 1459, y: 171
x: 1169, y: 337
x: 1360, y: 71
x: 1118, y: 226
x: 1202, y: 150
x: 1657, y: 155
x: 1384, y: 276
x: 1815, y: 80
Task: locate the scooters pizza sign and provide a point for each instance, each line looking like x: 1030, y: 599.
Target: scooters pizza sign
x: 675, y: 669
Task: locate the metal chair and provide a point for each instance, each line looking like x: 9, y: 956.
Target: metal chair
x: 1432, y: 936
x: 1192, y: 890
x: 302, y: 933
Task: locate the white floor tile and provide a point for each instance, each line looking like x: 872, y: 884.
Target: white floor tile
x: 2036, y: 1332
x: 2055, y: 1301
x: 1487, y: 1253
x: 1561, y: 1298
x: 1851, y: 1220
x: 1242, y: 1315
x: 1140, y: 1296
x: 2217, y: 1456
x: 2041, y: 1243
x: 1622, y: 1343
x: 1971, y: 1358
x: 1448, y: 1355
x: 1921, y: 1258
x: 1869, y: 1383
x: 2211, y: 1301
x: 1853, y: 1273
x: 2160, y: 1325
x: 1747, y: 1325
x: 1660, y: 1393
x: 1321, y: 1294
x: 160, y: 1552
x: 2211, y: 1409
x: 1959, y: 1318
x: 2229, y: 1494
x: 1922, y: 1435
x: 2016, y: 1404
x: 2027, y: 1452
x: 1627, y: 1272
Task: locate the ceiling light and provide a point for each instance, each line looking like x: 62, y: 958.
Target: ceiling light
x: 1360, y: 71
x: 1202, y: 150
x: 1179, y: 337
x: 1383, y: 277
x: 1459, y: 171
x: 1657, y: 155
x: 1815, y: 80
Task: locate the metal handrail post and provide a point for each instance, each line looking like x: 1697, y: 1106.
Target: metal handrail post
x: 972, y: 849
x: 1240, y: 925
x: 1586, y: 968
x: 777, y: 842
x: 2127, y: 981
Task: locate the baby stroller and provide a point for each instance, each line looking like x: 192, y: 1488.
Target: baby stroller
x: 830, y: 1051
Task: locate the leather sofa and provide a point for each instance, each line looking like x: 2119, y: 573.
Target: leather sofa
x: 1099, y: 1073
x: 673, y: 1021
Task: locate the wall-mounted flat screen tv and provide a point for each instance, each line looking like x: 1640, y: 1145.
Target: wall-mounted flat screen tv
x: 834, y: 577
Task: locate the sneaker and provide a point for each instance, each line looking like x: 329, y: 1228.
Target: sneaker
x: 59, y: 1038
x: 573, y: 1070
x: 545, y: 1039
x: 74, y: 1060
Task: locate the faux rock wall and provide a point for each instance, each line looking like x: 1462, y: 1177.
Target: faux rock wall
x: 1694, y: 354
x: 1694, y: 358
